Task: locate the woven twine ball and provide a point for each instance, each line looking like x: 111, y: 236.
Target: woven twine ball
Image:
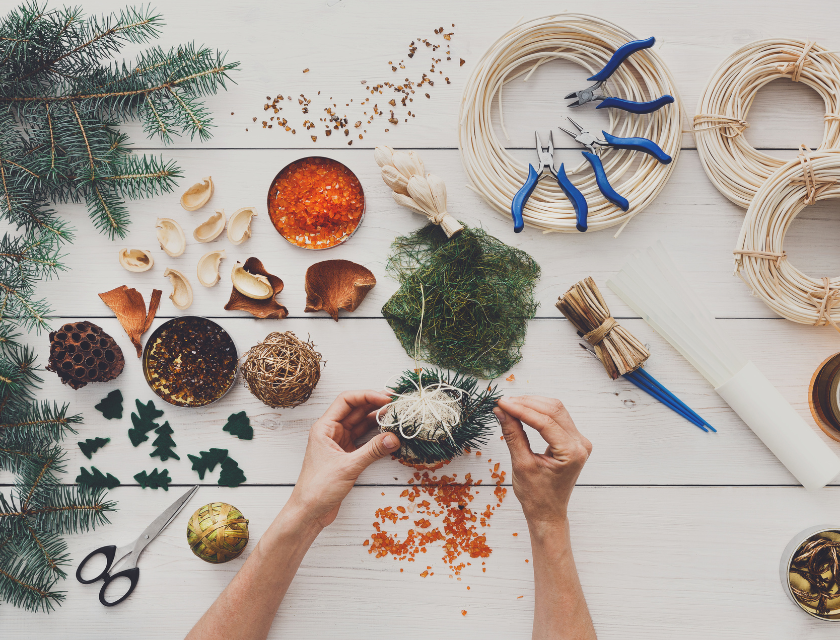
x: 282, y: 370
x: 217, y: 532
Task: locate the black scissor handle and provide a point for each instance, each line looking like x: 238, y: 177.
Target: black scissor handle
x: 132, y: 574
x: 108, y: 551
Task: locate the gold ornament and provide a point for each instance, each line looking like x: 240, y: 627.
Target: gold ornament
x: 282, y: 370
x: 217, y: 532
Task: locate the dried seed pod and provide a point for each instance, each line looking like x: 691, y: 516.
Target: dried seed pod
x: 337, y: 284
x: 171, y: 237
x: 197, y: 195
x: 136, y: 260
x: 267, y: 308
x: 239, y: 227
x: 81, y: 352
x: 208, y: 267
x: 252, y: 285
x: 182, y: 295
x: 211, y: 228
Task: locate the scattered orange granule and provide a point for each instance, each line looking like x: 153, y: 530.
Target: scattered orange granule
x: 526, y: 560
x: 463, y: 612
x: 457, y: 525
x: 316, y: 203
x: 518, y: 598
x: 511, y: 378
x: 515, y: 534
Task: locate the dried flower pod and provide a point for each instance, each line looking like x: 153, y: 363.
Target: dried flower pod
x: 182, y: 295
x: 337, y: 284
x: 171, y: 237
x: 266, y: 308
x: 197, y: 195
x: 81, y: 352
x: 252, y: 285
x: 383, y: 155
x: 395, y: 180
x: 408, y: 163
x: 208, y: 267
x: 211, y: 228
x: 136, y: 260
x: 239, y: 227
x: 130, y: 309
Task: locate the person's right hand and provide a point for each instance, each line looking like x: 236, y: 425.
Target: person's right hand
x: 542, y: 483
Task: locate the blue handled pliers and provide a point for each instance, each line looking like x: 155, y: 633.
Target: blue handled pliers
x: 622, y: 53
x: 545, y: 156
x: 593, y: 143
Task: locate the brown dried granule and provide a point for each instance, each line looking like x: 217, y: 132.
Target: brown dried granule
x: 427, y: 95
x: 393, y: 121
x: 306, y: 70
x: 358, y: 124
x: 392, y: 102
x: 328, y: 132
x: 462, y: 62
x: 314, y: 138
x: 350, y: 142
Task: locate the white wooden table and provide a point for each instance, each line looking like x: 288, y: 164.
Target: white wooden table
x: 677, y: 533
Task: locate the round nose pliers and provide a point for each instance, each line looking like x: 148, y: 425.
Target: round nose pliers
x: 622, y: 53
x: 545, y: 156
x: 594, y: 144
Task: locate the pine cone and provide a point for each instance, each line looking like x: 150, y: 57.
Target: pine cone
x: 82, y: 352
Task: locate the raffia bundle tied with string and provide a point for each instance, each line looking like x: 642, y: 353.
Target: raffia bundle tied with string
x: 496, y: 174
x: 760, y: 258
x: 412, y: 187
x: 614, y: 345
x: 733, y: 165
x: 282, y: 370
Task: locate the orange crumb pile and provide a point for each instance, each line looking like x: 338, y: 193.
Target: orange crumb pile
x: 316, y: 203
x: 457, y: 525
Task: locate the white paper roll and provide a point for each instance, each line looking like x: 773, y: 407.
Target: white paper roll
x: 770, y: 416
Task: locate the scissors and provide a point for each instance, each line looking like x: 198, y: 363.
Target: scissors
x: 132, y: 551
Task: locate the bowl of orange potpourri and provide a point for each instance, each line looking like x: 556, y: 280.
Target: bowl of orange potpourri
x: 316, y: 203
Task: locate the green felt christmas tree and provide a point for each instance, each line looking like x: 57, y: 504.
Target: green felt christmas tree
x: 111, y: 405
x: 164, y: 443
x: 96, y: 479
x: 91, y: 445
x: 231, y: 475
x: 207, y: 460
x: 239, y: 425
x: 143, y: 421
x: 154, y: 479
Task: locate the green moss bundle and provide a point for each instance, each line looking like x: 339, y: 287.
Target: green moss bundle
x: 478, y: 299
x: 436, y: 415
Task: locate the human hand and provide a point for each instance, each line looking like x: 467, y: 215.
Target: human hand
x: 332, y: 461
x: 542, y: 483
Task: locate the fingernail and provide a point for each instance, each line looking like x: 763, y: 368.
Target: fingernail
x: 390, y: 441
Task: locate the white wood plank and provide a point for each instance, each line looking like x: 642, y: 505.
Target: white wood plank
x: 343, y: 42
x: 696, y: 223
x: 636, y: 439
x: 657, y: 563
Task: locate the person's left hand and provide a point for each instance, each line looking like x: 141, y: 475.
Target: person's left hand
x: 332, y: 461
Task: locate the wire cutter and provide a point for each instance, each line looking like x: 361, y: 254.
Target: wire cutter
x: 545, y: 156
x: 593, y: 143
x: 622, y: 53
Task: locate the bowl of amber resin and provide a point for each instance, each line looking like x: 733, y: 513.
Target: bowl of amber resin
x: 810, y: 572
x: 190, y: 361
x: 316, y: 203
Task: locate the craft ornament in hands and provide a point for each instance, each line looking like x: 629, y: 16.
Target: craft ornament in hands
x: 423, y: 193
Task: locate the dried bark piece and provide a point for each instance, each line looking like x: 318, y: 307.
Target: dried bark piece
x: 81, y: 352
x: 337, y: 284
x: 268, y: 308
x: 130, y: 309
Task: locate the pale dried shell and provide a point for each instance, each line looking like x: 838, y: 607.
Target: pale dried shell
x: 136, y: 260
x: 250, y: 284
x: 197, y: 195
x: 239, y: 227
x: 171, y: 237
x: 182, y: 295
x: 210, y: 229
x: 394, y: 179
x: 208, y: 267
x: 383, y: 155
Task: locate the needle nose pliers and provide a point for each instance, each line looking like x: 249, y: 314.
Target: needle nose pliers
x: 622, y: 53
x: 545, y: 156
x: 594, y: 144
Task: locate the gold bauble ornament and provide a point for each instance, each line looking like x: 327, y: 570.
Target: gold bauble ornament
x: 217, y: 532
